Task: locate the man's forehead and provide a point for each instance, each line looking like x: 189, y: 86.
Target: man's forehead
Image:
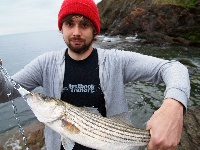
x: 77, y: 18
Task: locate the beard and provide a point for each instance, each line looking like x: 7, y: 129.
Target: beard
x: 79, y: 49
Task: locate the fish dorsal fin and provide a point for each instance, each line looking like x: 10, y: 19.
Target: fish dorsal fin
x: 122, y: 118
x: 92, y: 110
x: 67, y: 143
x: 69, y: 126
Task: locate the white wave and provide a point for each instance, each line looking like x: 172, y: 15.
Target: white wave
x: 111, y: 39
x: 132, y: 38
x: 12, y: 143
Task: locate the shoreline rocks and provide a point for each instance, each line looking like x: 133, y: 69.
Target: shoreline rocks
x: 13, y: 139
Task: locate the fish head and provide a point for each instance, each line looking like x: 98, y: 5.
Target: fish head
x: 46, y: 109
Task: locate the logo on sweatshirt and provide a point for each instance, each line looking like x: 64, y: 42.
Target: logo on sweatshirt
x: 80, y: 88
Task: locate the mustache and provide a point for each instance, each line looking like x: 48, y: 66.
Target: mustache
x: 76, y: 38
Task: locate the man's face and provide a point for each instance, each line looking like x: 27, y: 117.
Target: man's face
x: 78, y: 33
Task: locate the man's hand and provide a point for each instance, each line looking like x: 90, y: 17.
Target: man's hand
x: 165, y: 126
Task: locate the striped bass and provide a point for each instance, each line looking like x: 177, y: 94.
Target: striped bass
x: 76, y: 124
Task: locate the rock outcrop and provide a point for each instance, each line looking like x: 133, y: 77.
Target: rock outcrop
x: 190, y: 139
x: 156, y: 22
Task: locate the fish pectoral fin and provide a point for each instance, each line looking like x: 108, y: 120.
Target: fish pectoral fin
x: 69, y: 126
x: 67, y: 143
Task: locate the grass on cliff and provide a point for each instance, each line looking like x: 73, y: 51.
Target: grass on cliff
x: 193, y: 35
x: 184, y: 3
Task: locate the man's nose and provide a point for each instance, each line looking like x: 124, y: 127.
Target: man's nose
x: 76, y: 31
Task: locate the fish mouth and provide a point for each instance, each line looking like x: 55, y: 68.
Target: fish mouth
x: 36, y: 97
x: 45, y: 108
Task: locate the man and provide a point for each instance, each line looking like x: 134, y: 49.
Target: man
x: 85, y: 76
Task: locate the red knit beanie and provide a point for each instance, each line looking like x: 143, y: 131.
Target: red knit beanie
x: 86, y: 8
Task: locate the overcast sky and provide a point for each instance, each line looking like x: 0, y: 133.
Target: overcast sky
x: 19, y: 16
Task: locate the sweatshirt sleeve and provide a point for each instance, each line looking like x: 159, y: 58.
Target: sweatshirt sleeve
x: 30, y: 76
x: 145, y: 68
x: 176, y: 78
x: 27, y: 78
x: 40, y: 72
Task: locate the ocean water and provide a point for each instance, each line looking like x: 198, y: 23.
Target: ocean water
x: 143, y: 98
x: 16, y: 51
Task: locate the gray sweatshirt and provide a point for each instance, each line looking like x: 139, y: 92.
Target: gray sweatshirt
x: 115, y: 69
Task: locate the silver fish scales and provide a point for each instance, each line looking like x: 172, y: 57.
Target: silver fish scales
x: 76, y: 124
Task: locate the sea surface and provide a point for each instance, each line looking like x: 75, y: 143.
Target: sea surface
x: 143, y: 98
x: 16, y: 51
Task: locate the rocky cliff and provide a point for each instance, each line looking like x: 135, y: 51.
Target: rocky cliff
x: 157, y: 21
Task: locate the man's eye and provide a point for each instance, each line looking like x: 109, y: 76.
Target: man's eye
x: 69, y: 24
x: 85, y: 25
